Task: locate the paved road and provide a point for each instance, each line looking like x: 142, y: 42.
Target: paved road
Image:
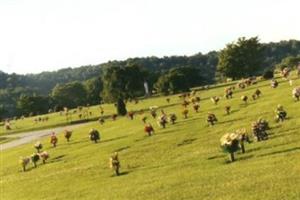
x: 27, y: 137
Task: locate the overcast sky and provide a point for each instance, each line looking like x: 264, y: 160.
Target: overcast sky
x: 46, y: 35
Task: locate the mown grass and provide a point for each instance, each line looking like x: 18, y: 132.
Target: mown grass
x: 183, y: 161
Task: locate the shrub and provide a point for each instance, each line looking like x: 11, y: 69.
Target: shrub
x: 268, y: 74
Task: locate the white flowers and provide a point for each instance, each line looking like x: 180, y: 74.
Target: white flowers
x: 229, y: 138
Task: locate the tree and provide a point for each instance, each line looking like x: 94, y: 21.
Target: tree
x: 179, y: 80
x: 121, y: 107
x: 69, y: 95
x: 241, y: 59
x: 290, y: 61
x: 33, y: 104
x: 2, y: 112
x: 122, y: 83
x: 268, y: 74
x: 93, y: 87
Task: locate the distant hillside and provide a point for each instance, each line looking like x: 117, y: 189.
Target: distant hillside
x: 45, y: 81
x: 12, y: 86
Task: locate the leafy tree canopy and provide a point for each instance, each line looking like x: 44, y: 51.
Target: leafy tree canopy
x: 241, y: 59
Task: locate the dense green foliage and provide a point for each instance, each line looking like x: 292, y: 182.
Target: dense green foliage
x: 241, y: 59
x: 179, y: 80
x: 33, y: 105
x: 69, y: 95
x: 93, y: 87
x: 123, y: 82
x: 268, y: 74
x: 290, y: 61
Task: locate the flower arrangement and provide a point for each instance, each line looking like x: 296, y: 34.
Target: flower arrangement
x: 35, y: 158
x: 257, y: 93
x: 53, y: 139
x: 243, y: 137
x: 162, y: 121
x: 211, y: 119
x: 173, y: 118
x: 215, y: 99
x: 259, y: 129
x: 38, y: 146
x: 241, y: 85
x: 149, y: 129
x: 244, y: 98
x: 24, y: 161
x: 185, y: 103
x: 296, y: 93
x: 44, y: 156
x: 94, y: 135
x: 101, y: 120
x: 196, y: 107
x: 227, y: 109
x: 153, y: 111
x: 230, y: 144
x: 185, y: 113
x: 114, y: 117
x: 114, y: 163
x: 285, y: 72
x: 281, y: 114
x: 68, y: 134
x: 144, y: 118
x: 130, y: 115
x: 228, y: 92
x: 7, y: 125
x: 274, y: 83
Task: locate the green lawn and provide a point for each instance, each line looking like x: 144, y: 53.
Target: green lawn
x: 183, y: 161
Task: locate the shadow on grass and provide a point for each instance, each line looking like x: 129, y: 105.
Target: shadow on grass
x: 121, y: 149
x: 280, y: 152
x: 273, y: 136
x: 238, y: 158
x: 216, y: 157
x: 186, y: 142
x: 231, y: 112
x: 292, y: 131
x: 244, y: 157
x: 28, y: 169
x: 190, y: 119
x: 113, y: 139
x: 228, y: 121
x: 57, y: 159
x: 120, y: 174
x: 271, y: 147
x: 77, y: 142
x: 164, y: 132
x: 234, y: 111
x: 141, y: 139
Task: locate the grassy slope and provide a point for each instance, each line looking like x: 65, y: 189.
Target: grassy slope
x: 56, y: 120
x: 183, y: 161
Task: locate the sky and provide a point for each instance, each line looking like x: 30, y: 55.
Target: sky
x: 46, y: 35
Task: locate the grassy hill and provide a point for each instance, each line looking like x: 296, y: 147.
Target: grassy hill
x: 182, y: 161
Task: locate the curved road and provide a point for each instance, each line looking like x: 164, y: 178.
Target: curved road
x: 27, y: 137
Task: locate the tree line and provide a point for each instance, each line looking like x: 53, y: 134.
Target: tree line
x: 34, y: 94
